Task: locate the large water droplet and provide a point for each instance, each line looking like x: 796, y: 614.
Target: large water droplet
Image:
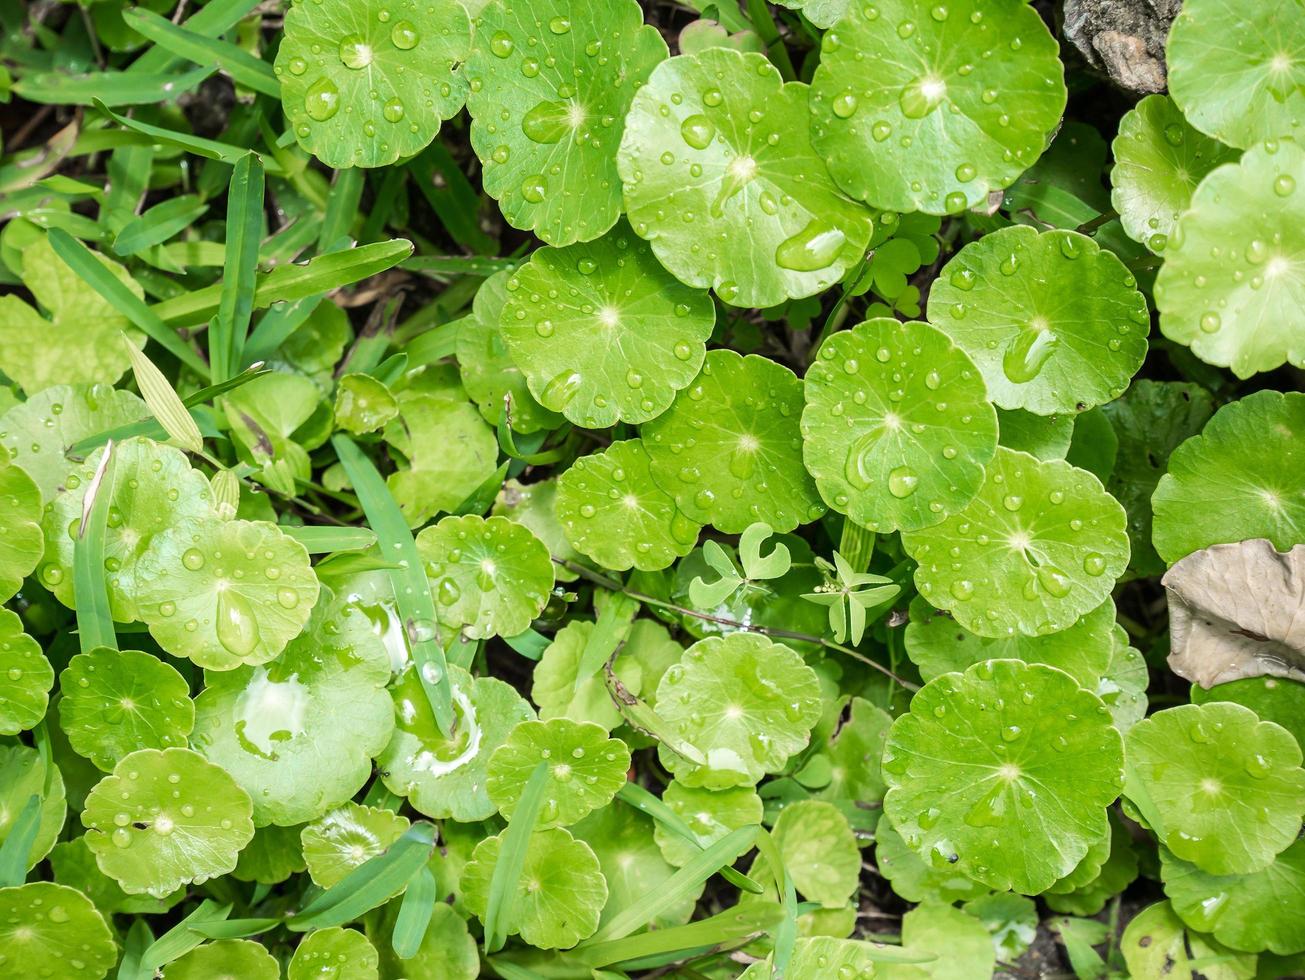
x: 990, y: 809
x: 815, y: 247
x: 193, y: 559
x: 1094, y: 564
x: 322, y: 100
x: 404, y: 35
x: 858, y: 467
x: 902, y: 482
x: 547, y: 122
x: 237, y: 626
x: 501, y: 44
x: 1055, y: 581
x: 532, y: 188
x: 355, y: 52
x: 922, y: 96
x: 1026, y: 354
x: 845, y: 105
x: 392, y: 110
x: 698, y: 131
x: 559, y: 392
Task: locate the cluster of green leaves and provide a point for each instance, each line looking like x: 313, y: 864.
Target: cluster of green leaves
x: 543, y: 489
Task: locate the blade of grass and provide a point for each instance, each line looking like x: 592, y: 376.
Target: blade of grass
x: 609, y: 632
x: 724, y: 929
x: 512, y: 858
x: 243, y: 67
x: 244, y: 231
x: 211, y: 20
x: 370, y: 884
x: 138, y: 940
x: 444, y: 266
x: 341, y: 207
x: 158, y: 224
x: 209, y: 149
x: 83, y: 261
x: 277, y: 326
x: 321, y: 540
x: 415, y: 910
x: 482, y: 498
x: 163, y: 401
x: 181, y: 938
x: 107, y: 87
x: 531, y: 644
x: 94, y: 620
x: 411, y: 589
x: 18, y: 843
x: 785, y: 931
x: 234, y: 928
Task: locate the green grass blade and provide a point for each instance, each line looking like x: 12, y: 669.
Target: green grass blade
x: 370, y: 884
x: 83, y: 262
x: 94, y: 621
x: 447, y: 266
x: 243, y: 68
x: 244, y: 231
x: 411, y: 589
x: 685, y: 882
x: 164, y: 401
x: 291, y: 282
x: 234, y: 928
x: 415, y: 910
x: 209, y: 149
x: 182, y: 938
x: 277, y: 326
x: 609, y: 632
x: 108, y: 87
x: 18, y: 843
x: 158, y: 224
x: 341, y: 207
x: 785, y: 932
x: 322, y: 540
x: 211, y: 20
x: 512, y: 858
x: 138, y: 940
x: 724, y: 929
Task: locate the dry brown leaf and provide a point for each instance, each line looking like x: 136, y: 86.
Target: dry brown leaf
x: 1237, y: 610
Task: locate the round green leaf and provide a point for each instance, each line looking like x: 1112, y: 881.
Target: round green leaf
x: 916, y: 880
x: 363, y: 404
x: 226, y: 593
x: 299, y: 734
x: 709, y: 814
x: 450, y: 452
x: 154, y: 491
x: 22, y: 776
x: 729, y: 450
x: 1156, y: 941
x: 1218, y: 488
x: 554, y: 686
x: 551, y: 83
x: 447, y: 951
x: 561, y: 891
x: 1252, y: 912
x: 488, y: 371
x: 489, y: 577
x: 365, y: 84
x: 1054, y: 322
x: 745, y: 703
x: 585, y: 769
x: 346, y: 837
x: 115, y: 702
x: 165, y: 818
x: 445, y: 777
x: 820, y: 851
x: 937, y: 645
x: 1233, y: 279
x: 1040, y: 546
x: 1005, y: 772
x: 335, y: 953
x: 720, y: 176
x: 39, y: 431
x: 21, y: 541
x: 1219, y: 787
x: 74, y: 865
x: 917, y: 112
x: 897, y: 426
x: 959, y: 942
x: 1159, y: 161
x: 25, y: 677
x: 1237, y: 70
x: 602, y: 332
x: 46, y: 927
x: 241, y: 958
x: 1274, y: 699
x: 613, y: 511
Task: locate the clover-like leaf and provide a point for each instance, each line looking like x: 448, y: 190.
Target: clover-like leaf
x: 444, y: 777
x: 298, y: 734
x: 919, y: 110
x: 1156, y: 944
x: 1054, y: 322
x: 1219, y: 787
x: 363, y: 404
x: 551, y: 83
x: 241, y: 958
x: 1159, y: 161
x: 80, y: 342
x: 155, y: 490
x: 1279, y: 701
x: 1005, y: 772
x: 937, y: 644
x: 447, y: 951
x: 613, y: 511
x: 25, y: 676
x: 488, y: 371
x: 820, y: 851
x: 562, y: 889
x: 1253, y: 912
x: 710, y: 814
x: 164, y: 818
x: 39, y: 431
x: 22, y: 776
x: 226, y: 593
x: 21, y: 541
x: 720, y: 176
x: 44, y: 927
x: 585, y: 769
x: 897, y: 426
x: 346, y: 837
x: 1218, y: 489
x: 365, y: 84
x: 745, y: 703
x: 602, y: 332
x: 1040, y: 546
x: 915, y: 879
x: 450, y: 452
x: 729, y: 449
x: 489, y: 577
x: 335, y: 953
x: 1245, y: 91
x: 116, y: 702
x: 1233, y: 276
x: 847, y: 595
